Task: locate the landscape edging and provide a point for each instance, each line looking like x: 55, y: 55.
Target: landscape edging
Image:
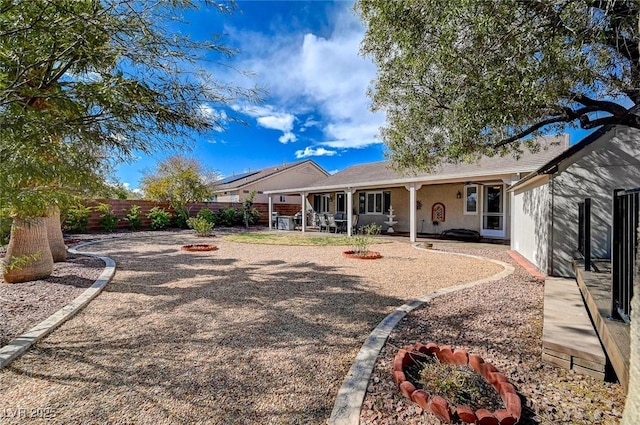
x: 346, y: 409
x: 19, y: 345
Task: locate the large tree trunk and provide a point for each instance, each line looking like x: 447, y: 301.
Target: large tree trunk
x: 54, y: 234
x: 632, y: 405
x: 28, y: 254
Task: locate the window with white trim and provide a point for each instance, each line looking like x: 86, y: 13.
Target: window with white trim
x: 374, y: 203
x: 471, y: 199
x: 283, y: 198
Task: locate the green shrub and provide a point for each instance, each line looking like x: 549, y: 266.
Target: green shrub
x: 77, y: 218
x: 361, y: 242
x: 229, y: 217
x: 182, y: 215
x: 159, y: 218
x: 200, y: 225
x: 108, y: 220
x: 207, y: 214
x: 5, y: 228
x: 132, y: 216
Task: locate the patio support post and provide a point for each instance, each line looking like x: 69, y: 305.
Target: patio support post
x: 303, y: 200
x: 413, y: 232
x: 270, y: 212
x: 349, y: 211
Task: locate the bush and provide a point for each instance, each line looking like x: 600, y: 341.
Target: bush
x: 229, y: 217
x: 108, y: 219
x: 5, y: 228
x: 77, y: 218
x: 207, y: 214
x: 200, y: 225
x: 159, y: 218
x: 182, y: 216
x: 132, y: 216
x: 361, y: 242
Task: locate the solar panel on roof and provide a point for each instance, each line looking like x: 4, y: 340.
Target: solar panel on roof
x: 236, y: 177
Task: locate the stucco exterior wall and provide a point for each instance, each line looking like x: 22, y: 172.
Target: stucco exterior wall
x: 612, y: 162
x: 531, y: 224
x: 427, y: 195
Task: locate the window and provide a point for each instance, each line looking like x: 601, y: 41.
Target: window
x: 374, y: 202
x: 321, y: 203
x: 471, y: 199
x: 340, y: 203
x: 214, y: 198
x: 283, y: 198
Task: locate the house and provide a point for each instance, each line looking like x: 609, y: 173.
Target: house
x: 545, y: 203
x: 577, y: 216
x: 237, y: 187
x: 469, y: 196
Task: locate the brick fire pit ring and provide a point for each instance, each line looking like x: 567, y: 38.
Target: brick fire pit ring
x: 438, y: 405
x: 199, y: 248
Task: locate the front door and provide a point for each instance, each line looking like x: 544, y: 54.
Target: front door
x: 493, y: 207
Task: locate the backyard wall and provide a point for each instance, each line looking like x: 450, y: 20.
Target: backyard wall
x: 118, y: 206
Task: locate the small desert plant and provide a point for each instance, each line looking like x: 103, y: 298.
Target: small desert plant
x: 132, y: 216
x: 159, y: 218
x: 459, y: 384
x: 361, y: 242
x: 200, y: 225
x: 108, y: 220
x: 207, y: 214
x: 249, y: 214
x: 77, y: 218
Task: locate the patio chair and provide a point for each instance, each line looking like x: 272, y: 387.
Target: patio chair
x: 322, y: 218
x: 274, y: 220
x: 332, y: 223
x: 354, y: 224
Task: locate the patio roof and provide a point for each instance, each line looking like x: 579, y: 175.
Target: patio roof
x: 380, y: 174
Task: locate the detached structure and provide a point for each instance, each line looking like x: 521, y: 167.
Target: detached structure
x: 237, y: 187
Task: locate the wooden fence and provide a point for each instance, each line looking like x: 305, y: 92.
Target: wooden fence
x: 120, y: 206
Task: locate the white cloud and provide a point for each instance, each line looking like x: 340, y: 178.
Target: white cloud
x: 282, y: 122
x: 332, y: 172
x: 217, y: 117
x: 268, y: 117
x: 327, y: 77
x: 287, y: 137
x: 309, y: 151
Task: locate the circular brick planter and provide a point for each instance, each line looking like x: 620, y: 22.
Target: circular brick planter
x: 438, y: 405
x: 370, y: 255
x: 199, y: 248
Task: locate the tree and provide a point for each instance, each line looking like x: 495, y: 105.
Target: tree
x: 88, y: 83
x: 179, y: 180
x: 461, y: 78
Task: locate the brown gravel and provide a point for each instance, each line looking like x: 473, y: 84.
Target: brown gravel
x: 24, y: 305
x: 263, y: 334
x: 245, y: 334
x: 502, y: 322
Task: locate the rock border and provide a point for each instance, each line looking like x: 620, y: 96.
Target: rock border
x: 439, y: 406
x: 370, y: 255
x: 199, y: 247
x: 19, y: 345
x: 346, y: 409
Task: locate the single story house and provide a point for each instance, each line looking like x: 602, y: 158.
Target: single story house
x: 453, y: 196
x: 237, y: 187
x: 545, y: 210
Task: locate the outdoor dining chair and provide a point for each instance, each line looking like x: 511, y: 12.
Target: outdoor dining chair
x: 322, y: 218
x: 332, y: 223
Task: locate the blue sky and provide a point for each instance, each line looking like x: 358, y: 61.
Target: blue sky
x: 306, y: 55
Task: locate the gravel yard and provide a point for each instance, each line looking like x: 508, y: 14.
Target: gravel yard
x: 502, y: 322
x: 246, y: 334
x: 265, y: 334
